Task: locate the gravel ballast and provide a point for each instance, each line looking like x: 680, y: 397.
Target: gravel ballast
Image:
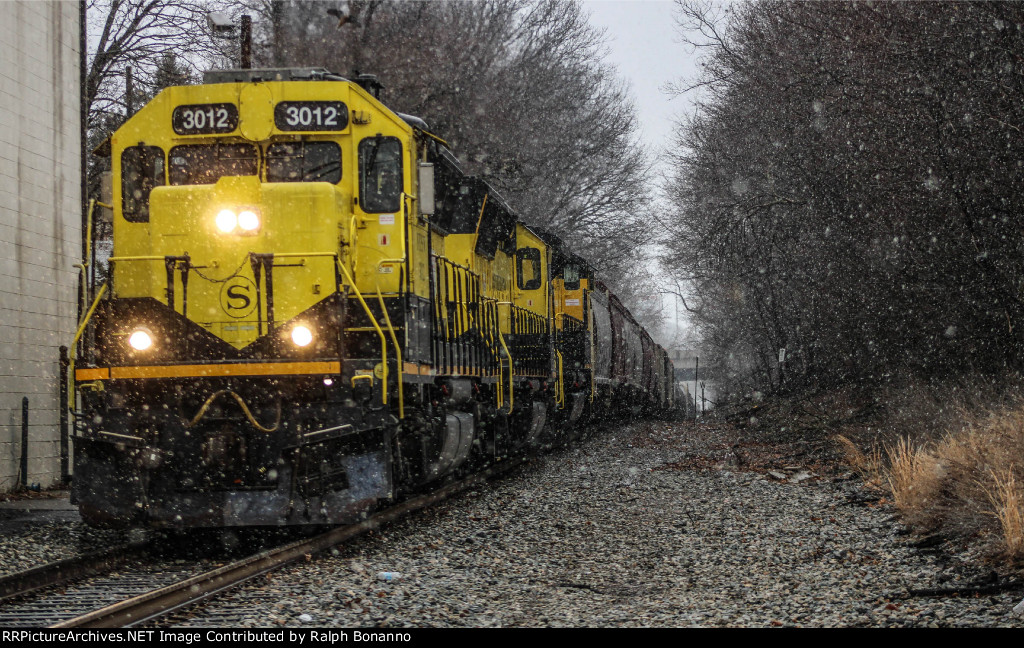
x: 646, y: 524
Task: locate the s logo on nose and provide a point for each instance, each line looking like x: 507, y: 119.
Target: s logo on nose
x: 237, y: 297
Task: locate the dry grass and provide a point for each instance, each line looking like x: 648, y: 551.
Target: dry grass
x: 915, y: 477
x: 952, y: 456
x: 968, y: 484
x: 869, y: 464
x: 1007, y: 499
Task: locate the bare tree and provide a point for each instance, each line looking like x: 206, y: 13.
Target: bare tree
x: 139, y: 34
x: 849, y: 188
x: 517, y: 88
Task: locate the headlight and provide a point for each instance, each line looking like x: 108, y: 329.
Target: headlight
x: 302, y: 336
x: 140, y: 340
x: 226, y: 220
x: 248, y: 220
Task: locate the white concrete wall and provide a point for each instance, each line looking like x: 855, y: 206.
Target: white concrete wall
x: 40, y: 224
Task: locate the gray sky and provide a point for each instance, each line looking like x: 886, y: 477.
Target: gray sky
x: 643, y: 44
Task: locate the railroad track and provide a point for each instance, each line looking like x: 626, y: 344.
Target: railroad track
x: 45, y: 596
x: 55, y: 574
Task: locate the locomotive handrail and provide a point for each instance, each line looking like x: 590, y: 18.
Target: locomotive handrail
x: 501, y: 338
x: 376, y: 326
x: 489, y: 308
x: 74, y: 342
x: 161, y: 257
x: 304, y: 254
x: 511, y: 401
x: 560, y: 383
x: 245, y: 410
x: 398, y: 352
x: 84, y: 265
x: 352, y: 250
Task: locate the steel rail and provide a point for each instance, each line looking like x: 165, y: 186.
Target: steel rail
x: 202, y: 586
x: 64, y: 571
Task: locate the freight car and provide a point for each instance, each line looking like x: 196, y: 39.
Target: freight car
x: 310, y: 309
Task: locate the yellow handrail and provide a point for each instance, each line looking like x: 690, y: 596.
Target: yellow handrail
x: 245, y: 410
x: 74, y: 343
x: 398, y: 352
x: 352, y: 239
x: 501, y: 339
x: 304, y: 254
x: 376, y: 326
x: 497, y: 356
x: 560, y: 383
x: 84, y: 265
x: 501, y: 374
x: 509, y: 356
x: 138, y: 258
x: 593, y: 356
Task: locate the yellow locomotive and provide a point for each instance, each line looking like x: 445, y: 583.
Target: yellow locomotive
x: 310, y: 309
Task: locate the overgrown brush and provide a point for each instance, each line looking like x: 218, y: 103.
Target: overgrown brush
x: 969, y: 484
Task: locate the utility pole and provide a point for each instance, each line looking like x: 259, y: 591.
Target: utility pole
x: 696, y: 373
x: 246, y: 42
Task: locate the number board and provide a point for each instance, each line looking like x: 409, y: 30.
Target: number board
x: 204, y: 119
x: 311, y: 116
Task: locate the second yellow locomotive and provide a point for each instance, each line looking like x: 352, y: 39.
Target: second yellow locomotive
x: 311, y: 309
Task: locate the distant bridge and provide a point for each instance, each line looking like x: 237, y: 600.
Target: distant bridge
x: 690, y: 373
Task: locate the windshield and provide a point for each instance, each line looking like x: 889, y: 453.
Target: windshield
x: 304, y: 162
x: 207, y: 163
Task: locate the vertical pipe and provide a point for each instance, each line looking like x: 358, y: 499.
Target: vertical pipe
x: 83, y: 109
x: 246, y: 42
x: 24, y: 442
x: 64, y: 362
x: 268, y: 271
x: 129, y: 93
x: 169, y: 267
x: 696, y: 370
x: 276, y: 10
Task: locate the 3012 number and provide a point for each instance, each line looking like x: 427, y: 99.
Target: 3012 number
x: 204, y: 119
x: 311, y: 116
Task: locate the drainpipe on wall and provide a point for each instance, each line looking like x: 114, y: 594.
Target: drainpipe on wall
x: 24, y: 442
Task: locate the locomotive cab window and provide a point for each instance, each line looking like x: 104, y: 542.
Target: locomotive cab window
x: 380, y: 174
x: 571, y: 277
x: 207, y: 163
x: 528, y: 268
x: 142, y: 168
x: 304, y: 162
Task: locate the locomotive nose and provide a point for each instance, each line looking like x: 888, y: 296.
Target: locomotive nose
x: 242, y: 238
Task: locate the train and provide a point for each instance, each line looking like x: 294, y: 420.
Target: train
x: 310, y: 310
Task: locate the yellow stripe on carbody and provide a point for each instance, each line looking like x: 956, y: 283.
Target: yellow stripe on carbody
x: 83, y: 375
x: 417, y: 369
x: 210, y: 370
